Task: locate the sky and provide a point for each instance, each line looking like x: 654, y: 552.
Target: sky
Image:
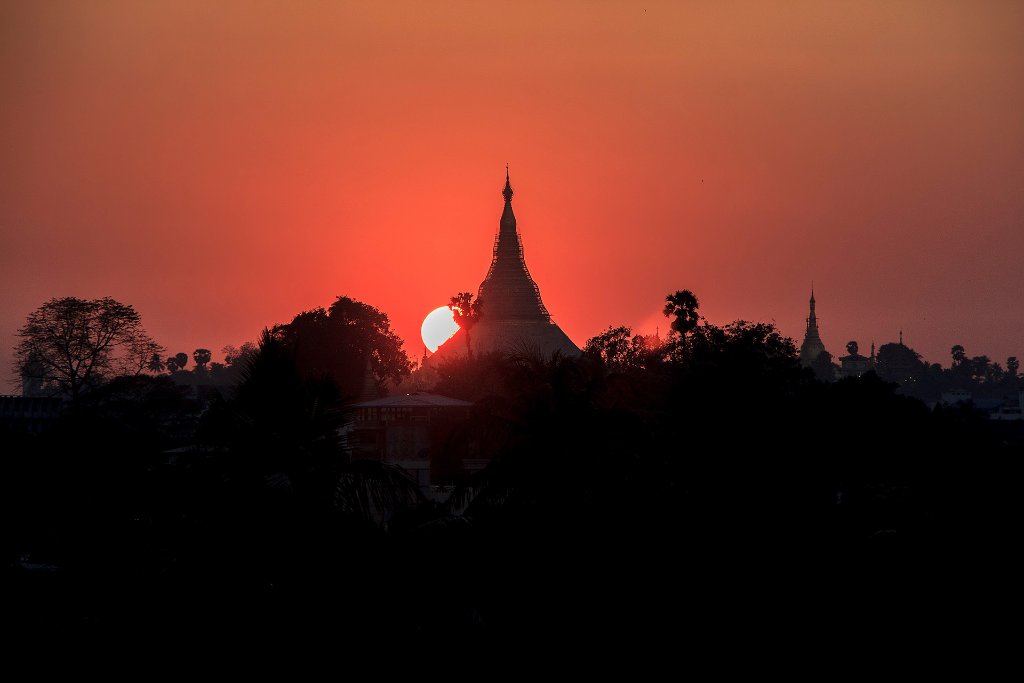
x: 224, y: 166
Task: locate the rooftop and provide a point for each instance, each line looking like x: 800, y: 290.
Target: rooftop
x: 415, y: 400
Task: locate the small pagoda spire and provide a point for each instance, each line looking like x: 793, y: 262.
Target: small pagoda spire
x: 812, y: 346
x: 507, y: 225
x: 901, y: 336
x: 507, y: 192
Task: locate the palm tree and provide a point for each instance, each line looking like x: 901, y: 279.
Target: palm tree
x: 959, y: 354
x: 467, y: 313
x: 156, y: 364
x: 201, y: 357
x: 683, y: 305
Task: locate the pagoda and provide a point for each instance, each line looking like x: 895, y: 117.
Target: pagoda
x: 812, y: 346
x: 513, y: 317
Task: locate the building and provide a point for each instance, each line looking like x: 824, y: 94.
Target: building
x: 407, y: 430
x: 1005, y: 409
x: 513, y: 316
x: 1010, y: 409
x: 854, y: 364
x: 34, y: 414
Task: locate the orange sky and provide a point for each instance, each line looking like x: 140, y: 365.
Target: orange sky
x: 222, y: 166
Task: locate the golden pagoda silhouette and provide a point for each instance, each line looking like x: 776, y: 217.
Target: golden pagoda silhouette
x: 513, y: 318
x: 812, y: 346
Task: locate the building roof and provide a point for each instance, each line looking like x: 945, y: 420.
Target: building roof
x: 416, y: 400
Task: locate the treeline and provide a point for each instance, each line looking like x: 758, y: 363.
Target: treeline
x: 697, y: 488
x: 977, y: 376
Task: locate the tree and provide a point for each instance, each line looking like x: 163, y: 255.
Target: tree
x: 201, y: 357
x: 1012, y: 365
x: 619, y: 349
x: 852, y: 348
x: 823, y: 367
x: 683, y: 307
x: 156, y: 364
x: 177, y: 362
x: 467, y: 314
x: 234, y: 355
x: 350, y: 342
x: 285, y: 415
x: 959, y: 354
x: 899, y: 363
x: 71, y: 345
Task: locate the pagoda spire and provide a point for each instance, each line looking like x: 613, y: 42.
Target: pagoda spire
x: 812, y: 345
x: 513, y: 317
x: 812, y: 318
x: 507, y: 192
x: 508, y: 291
x: 507, y: 225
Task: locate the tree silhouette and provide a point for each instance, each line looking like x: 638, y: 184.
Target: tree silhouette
x: 983, y: 370
x: 467, y: 313
x: 899, y: 363
x: 682, y: 306
x: 350, y: 342
x: 958, y: 354
x: 177, y: 362
x: 201, y: 357
x: 156, y: 364
x: 71, y: 345
x: 234, y: 354
x: 286, y: 415
x: 1012, y: 365
x: 704, y: 483
x: 823, y: 367
x: 619, y: 349
x: 852, y: 348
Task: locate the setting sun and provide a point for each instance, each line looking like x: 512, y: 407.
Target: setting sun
x: 438, y: 327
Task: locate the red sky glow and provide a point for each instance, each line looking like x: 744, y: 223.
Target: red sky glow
x: 223, y: 166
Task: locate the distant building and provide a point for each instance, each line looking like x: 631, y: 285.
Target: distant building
x: 34, y: 414
x: 405, y: 430
x: 1005, y: 409
x: 854, y: 364
x: 513, y: 316
x: 32, y: 380
x: 1010, y: 409
x: 951, y: 398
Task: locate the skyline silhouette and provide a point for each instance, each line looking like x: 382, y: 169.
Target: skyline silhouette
x: 221, y: 170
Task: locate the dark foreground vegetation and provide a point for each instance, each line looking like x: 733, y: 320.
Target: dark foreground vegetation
x: 706, y: 490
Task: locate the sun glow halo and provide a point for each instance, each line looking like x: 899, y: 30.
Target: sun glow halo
x: 438, y: 327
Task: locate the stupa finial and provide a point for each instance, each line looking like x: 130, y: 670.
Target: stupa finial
x: 507, y: 192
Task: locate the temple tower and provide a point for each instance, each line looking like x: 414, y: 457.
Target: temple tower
x: 513, y: 318
x: 812, y: 346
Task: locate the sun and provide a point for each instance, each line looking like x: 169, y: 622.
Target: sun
x: 438, y: 327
